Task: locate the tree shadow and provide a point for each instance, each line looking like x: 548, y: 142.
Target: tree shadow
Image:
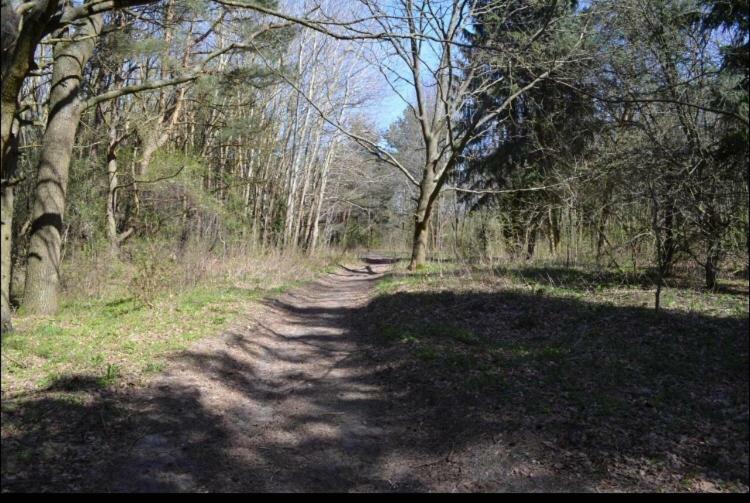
x: 411, y: 392
x: 606, y: 391
x: 379, y: 260
x: 588, y: 279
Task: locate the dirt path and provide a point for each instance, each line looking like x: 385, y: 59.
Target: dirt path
x: 273, y: 405
x: 298, y: 396
x: 296, y: 399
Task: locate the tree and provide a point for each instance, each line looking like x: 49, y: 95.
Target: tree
x: 36, y: 19
x: 66, y: 106
x: 663, y: 68
x: 537, y: 140
x: 449, y: 84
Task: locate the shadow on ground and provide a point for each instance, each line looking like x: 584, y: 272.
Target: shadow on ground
x: 431, y: 391
x: 591, y: 279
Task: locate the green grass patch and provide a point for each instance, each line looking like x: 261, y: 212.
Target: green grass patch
x: 459, y: 334
x: 390, y: 284
x: 116, y: 339
x: 424, y: 333
x: 428, y: 354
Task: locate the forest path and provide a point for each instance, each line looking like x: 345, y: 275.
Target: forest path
x: 298, y: 397
x: 280, y: 406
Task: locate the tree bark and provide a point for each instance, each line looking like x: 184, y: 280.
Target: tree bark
x: 7, y: 193
x: 6, y: 227
x: 114, y: 241
x: 713, y: 230
x: 711, y: 270
x: 43, y: 260
x: 17, y: 58
x: 531, y: 242
x: 428, y: 190
x: 312, y: 241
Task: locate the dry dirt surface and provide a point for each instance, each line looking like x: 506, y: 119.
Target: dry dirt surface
x: 279, y: 405
x: 298, y: 396
x: 295, y: 400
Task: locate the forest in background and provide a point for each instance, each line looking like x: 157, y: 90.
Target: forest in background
x: 610, y: 132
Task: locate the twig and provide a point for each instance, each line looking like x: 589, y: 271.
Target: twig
x: 152, y: 181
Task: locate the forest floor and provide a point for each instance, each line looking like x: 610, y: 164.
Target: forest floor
x: 450, y: 379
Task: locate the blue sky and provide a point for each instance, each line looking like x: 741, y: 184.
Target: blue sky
x: 388, y: 110
x: 391, y: 105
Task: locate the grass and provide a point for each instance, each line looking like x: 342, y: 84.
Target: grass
x: 419, y: 334
x: 119, y: 338
x: 113, y: 340
x: 555, y: 346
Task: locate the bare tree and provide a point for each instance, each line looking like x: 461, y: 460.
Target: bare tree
x: 419, y: 46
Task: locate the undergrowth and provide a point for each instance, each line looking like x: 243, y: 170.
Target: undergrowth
x: 120, y: 328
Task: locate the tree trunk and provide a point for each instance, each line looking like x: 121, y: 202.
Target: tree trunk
x: 43, y: 260
x: 531, y: 243
x: 7, y: 193
x: 17, y: 49
x: 551, y: 234
x: 312, y: 241
x: 670, y: 240
x: 600, y: 236
x: 428, y: 190
x: 419, y: 245
x: 658, y: 248
x: 6, y: 227
x: 711, y: 270
x: 713, y: 250
x: 555, y: 218
x: 112, y: 190
x: 17, y: 57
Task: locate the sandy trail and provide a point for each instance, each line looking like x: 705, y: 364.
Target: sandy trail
x: 272, y: 405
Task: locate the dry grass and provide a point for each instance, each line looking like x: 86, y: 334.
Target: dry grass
x: 121, y: 318
x: 96, y: 276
